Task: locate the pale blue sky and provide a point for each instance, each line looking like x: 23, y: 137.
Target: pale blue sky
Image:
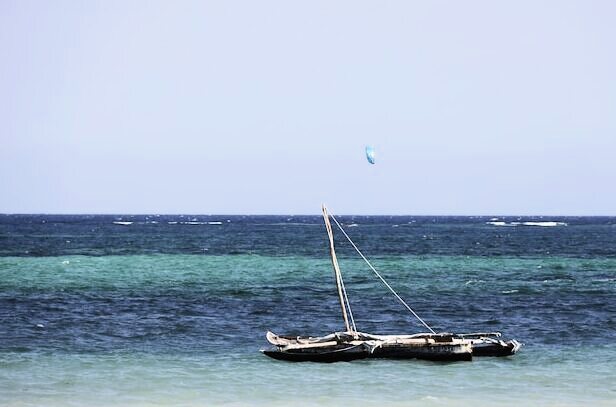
x: 265, y: 107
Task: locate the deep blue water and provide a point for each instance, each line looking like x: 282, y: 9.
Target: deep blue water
x: 97, y: 235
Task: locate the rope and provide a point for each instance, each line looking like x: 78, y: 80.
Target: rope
x: 379, y: 276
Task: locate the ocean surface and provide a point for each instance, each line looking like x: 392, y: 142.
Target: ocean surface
x: 172, y: 310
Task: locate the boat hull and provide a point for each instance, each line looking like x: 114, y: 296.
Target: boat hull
x: 329, y: 355
x: 443, y: 353
x: 345, y: 346
x: 496, y: 349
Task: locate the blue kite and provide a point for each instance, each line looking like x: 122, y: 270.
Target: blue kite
x: 370, y: 154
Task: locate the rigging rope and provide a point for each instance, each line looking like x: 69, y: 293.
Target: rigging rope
x: 379, y: 276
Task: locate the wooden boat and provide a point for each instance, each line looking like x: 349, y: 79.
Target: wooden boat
x: 438, y: 347
x: 351, y: 344
x: 347, y: 346
x: 337, y: 347
x: 490, y: 344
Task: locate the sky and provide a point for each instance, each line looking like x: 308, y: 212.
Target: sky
x: 265, y: 107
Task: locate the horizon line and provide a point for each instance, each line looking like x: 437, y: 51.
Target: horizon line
x: 285, y: 214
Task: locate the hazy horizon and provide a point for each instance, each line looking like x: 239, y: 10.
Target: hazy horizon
x: 265, y: 108
x: 530, y: 215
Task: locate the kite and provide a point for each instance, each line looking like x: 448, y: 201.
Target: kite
x: 370, y: 154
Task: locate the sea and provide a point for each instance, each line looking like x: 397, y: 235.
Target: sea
x: 172, y: 310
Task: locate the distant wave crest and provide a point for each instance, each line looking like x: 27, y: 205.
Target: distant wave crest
x: 540, y: 224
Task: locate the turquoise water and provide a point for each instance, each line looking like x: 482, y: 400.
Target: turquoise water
x: 532, y: 377
x: 172, y: 327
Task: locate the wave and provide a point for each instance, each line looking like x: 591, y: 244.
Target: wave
x: 119, y: 222
x: 194, y: 222
x: 540, y: 224
x: 545, y: 224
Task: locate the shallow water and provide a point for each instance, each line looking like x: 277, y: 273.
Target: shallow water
x: 138, y: 315
x: 546, y: 378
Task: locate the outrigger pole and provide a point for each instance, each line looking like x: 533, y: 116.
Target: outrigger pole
x: 350, y: 327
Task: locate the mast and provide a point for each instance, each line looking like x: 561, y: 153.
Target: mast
x: 337, y: 274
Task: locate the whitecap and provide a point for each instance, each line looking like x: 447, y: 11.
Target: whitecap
x: 545, y: 224
x: 498, y: 223
x: 509, y: 291
x: 118, y: 222
x: 430, y: 398
x: 603, y: 280
x: 541, y: 224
